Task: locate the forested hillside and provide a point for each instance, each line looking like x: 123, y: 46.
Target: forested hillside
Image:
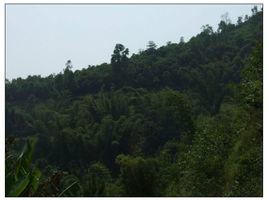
x: 184, y: 119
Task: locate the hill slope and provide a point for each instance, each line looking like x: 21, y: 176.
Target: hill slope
x: 179, y: 120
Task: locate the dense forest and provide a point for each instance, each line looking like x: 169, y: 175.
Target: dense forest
x: 183, y: 119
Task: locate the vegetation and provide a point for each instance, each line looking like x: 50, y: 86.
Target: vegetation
x: 183, y: 119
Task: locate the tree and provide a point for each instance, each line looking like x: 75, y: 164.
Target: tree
x: 225, y: 18
x: 120, y: 54
x: 206, y: 29
x: 22, y: 178
x: 69, y: 65
x: 181, y: 40
x: 244, y: 167
x: 239, y: 20
x: 225, y: 23
x: 96, y: 180
x: 169, y: 43
x: 119, y: 62
x: 68, y: 79
x: 252, y: 87
x: 138, y: 175
x: 254, y: 10
x: 151, y: 45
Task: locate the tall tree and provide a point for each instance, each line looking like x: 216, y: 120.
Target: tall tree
x: 119, y: 62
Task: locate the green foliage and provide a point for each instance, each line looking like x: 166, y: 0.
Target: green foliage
x: 184, y: 119
x: 22, y: 179
x: 244, y: 168
x: 96, y: 180
x: 138, y: 175
x: 70, y: 186
x: 252, y: 88
x: 119, y: 62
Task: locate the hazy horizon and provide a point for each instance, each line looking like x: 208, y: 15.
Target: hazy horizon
x: 41, y: 38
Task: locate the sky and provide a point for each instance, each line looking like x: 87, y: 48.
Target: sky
x: 41, y: 38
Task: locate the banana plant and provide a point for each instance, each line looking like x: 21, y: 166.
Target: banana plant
x: 22, y: 177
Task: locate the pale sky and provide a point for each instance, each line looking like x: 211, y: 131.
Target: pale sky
x: 41, y: 38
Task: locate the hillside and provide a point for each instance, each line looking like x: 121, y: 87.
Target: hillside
x: 184, y: 119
